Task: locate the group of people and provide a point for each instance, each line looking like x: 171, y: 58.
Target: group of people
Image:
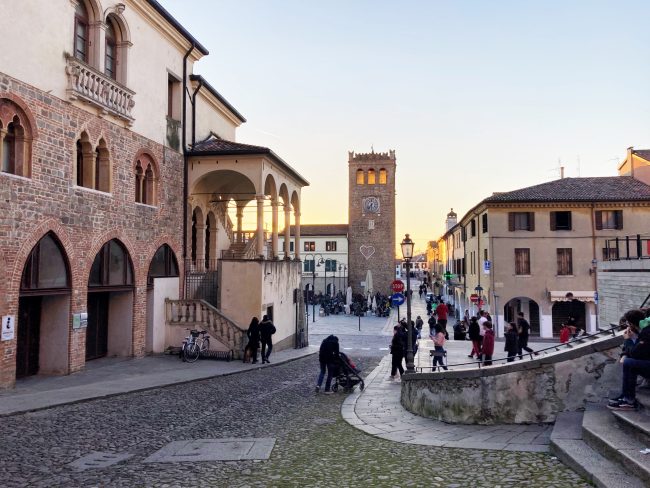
x: 259, y: 332
x: 399, y: 347
x: 635, y: 358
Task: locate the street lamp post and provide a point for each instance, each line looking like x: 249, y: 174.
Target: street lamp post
x: 407, y: 253
x: 313, y: 284
x: 479, y: 292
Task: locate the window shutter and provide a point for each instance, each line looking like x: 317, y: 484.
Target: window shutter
x: 619, y: 219
x: 553, y: 220
x: 569, y: 220
x: 511, y: 221
x: 599, y: 220
x: 531, y: 221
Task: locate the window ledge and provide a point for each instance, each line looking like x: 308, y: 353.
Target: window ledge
x: 92, y: 190
x: 145, y: 205
x: 523, y: 276
x: 565, y: 276
x: 18, y: 177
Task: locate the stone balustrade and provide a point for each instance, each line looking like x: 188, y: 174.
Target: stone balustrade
x: 199, y: 314
x: 88, y: 84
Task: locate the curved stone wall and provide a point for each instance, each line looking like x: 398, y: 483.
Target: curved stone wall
x: 528, y: 391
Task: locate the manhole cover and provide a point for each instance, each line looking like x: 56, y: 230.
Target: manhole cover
x: 98, y: 460
x: 228, y: 449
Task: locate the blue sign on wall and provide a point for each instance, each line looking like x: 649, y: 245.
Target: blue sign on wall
x: 397, y: 299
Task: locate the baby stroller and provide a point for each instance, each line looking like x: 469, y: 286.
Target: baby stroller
x: 347, y: 375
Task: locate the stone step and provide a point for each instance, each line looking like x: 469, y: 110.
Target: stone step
x: 568, y: 445
x: 635, y: 423
x: 602, y: 432
x: 588, y: 463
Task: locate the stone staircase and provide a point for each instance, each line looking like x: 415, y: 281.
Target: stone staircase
x: 605, y: 446
x: 199, y: 314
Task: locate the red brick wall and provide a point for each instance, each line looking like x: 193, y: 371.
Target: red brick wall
x: 82, y: 219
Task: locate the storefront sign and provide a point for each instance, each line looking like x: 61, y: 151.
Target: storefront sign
x: 80, y: 320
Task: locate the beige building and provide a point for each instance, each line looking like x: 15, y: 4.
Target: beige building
x: 525, y: 250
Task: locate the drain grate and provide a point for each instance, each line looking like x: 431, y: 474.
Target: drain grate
x: 227, y: 449
x: 99, y: 460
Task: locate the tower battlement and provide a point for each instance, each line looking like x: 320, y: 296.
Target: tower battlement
x: 371, y: 156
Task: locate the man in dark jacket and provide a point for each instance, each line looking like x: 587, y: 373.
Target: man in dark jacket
x: 636, y: 363
x: 253, y: 334
x: 267, y: 329
x: 328, y: 357
x: 523, y: 329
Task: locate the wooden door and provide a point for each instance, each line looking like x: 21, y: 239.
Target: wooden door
x: 28, y: 336
x: 97, y: 330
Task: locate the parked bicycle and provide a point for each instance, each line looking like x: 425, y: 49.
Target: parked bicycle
x: 194, y: 344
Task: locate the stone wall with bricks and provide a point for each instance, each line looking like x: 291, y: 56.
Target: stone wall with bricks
x: 622, y: 286
x: 82, y: 219
x: 371, y: 233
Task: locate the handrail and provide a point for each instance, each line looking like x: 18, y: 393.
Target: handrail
x: 611, y: 330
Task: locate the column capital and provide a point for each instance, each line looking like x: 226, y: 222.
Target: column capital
x: 260, y: 198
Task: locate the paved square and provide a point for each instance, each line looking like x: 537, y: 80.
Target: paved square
x: 98, y: 460
x: 228, y: 449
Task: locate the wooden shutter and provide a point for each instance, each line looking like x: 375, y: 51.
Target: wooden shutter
x: 553, y: 220
x: 531, y: 221
x: 569, y: 220
x: 619, y: 219
x: 599, y: 220
x: 511, y: 221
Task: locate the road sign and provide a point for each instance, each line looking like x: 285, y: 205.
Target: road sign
x: 448, y: 275
x: 397, y: 286
x: 474, y: 298
x: 397, y: 299
x: 487, y: 265
x: 596, y: 297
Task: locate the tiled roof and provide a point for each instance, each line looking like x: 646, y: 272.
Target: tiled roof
x: 642, y: 153
x: 595, y: 189
x: 320, y: 230
x: 214, y: 145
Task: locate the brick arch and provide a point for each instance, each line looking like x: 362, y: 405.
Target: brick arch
x: 36, y: 235
x: 24, y: 108
x: 97, y: 244
x: 149, y: 153
x: 173, y: 243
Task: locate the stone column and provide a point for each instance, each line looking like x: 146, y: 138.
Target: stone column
x: 260, y: 224
x: 240, y: 215
x: 274, y: 229
x: 200, y: 246
x: 2, y: 138
x: 287, y: 230
x: 296, y: 246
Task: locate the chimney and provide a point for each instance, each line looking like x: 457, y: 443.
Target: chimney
x: 561, y: 172
x: 630, y: 159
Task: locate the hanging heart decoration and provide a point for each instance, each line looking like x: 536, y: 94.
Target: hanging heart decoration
x: 367, y: 251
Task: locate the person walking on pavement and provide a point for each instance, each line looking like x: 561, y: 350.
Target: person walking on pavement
x: 267, y: 329
x: 328, y: 357
x: 432, y: 324
x: 439, y: 347
x: 253, y: 334
x: 418, y: 325
x: 488, y: 344
x: 441, y: 312
x: 512, y: 341
x: 397, y: 352
x: 476, y: 338
x: 523, y: 329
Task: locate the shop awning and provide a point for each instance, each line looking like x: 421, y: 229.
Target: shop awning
x: 582, y: 296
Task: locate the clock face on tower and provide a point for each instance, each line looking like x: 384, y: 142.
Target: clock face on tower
x: 371, y: 204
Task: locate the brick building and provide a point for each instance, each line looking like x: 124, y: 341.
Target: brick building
x: 371, y: 210
x: 94, y: 141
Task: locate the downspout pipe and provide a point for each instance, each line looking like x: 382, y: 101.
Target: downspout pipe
x: 185, y: 155
x: 194, y: 110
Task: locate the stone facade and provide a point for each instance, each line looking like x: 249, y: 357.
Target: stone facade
x: 371, y: 210
x: 82, y: 219
x: 622, y: 286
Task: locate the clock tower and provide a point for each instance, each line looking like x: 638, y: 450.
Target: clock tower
x: 371, y: 213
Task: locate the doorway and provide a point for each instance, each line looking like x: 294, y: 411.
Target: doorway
x: 97, y: 329
x: 29, y: 334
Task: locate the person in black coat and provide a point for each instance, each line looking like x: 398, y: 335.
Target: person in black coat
x: 253, y: 334
x: 397, y: 350
x: 267, y: 329
x: 328, y: 357
x: 512, y: 341
x: 475, y: 337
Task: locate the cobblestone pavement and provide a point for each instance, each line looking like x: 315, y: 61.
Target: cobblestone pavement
x: 314, y: 446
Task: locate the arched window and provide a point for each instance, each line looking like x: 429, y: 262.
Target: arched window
x: 383, y: 176
x: 93, y: 168
x: 81, y: 32
x: 15, y: 139
x: 145, y: 180
x: 110, y: 53
x: 371, y: 177
x: 163, y: 264
x: 102, y: 167
x: 360, y: 177
x: 112, y: 267
x: 45, y: 267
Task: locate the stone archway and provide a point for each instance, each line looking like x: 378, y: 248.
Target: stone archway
x: 529, y: 307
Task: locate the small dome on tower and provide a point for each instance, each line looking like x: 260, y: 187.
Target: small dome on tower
x: 452, y: 214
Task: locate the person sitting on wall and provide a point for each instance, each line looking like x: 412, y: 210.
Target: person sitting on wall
x: 635, y: 362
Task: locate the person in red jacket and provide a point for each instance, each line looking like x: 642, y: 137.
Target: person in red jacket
x: 488, y: 344
x: 441, y: 312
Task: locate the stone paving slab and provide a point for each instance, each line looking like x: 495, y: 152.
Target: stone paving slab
x: 227, y: 449
x: 377, y: 411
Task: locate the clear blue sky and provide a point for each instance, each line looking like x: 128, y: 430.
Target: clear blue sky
x: 474, y: 96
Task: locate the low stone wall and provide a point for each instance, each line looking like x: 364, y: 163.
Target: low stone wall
x: 622, y: 286
x: 520, y: 392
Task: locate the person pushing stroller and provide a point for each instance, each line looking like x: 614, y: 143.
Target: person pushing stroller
x: 328, y: 356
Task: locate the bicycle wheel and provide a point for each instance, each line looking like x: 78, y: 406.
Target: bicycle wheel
x: 192, y: 352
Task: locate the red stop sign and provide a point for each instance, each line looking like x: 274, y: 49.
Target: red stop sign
x: 397, y: 286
